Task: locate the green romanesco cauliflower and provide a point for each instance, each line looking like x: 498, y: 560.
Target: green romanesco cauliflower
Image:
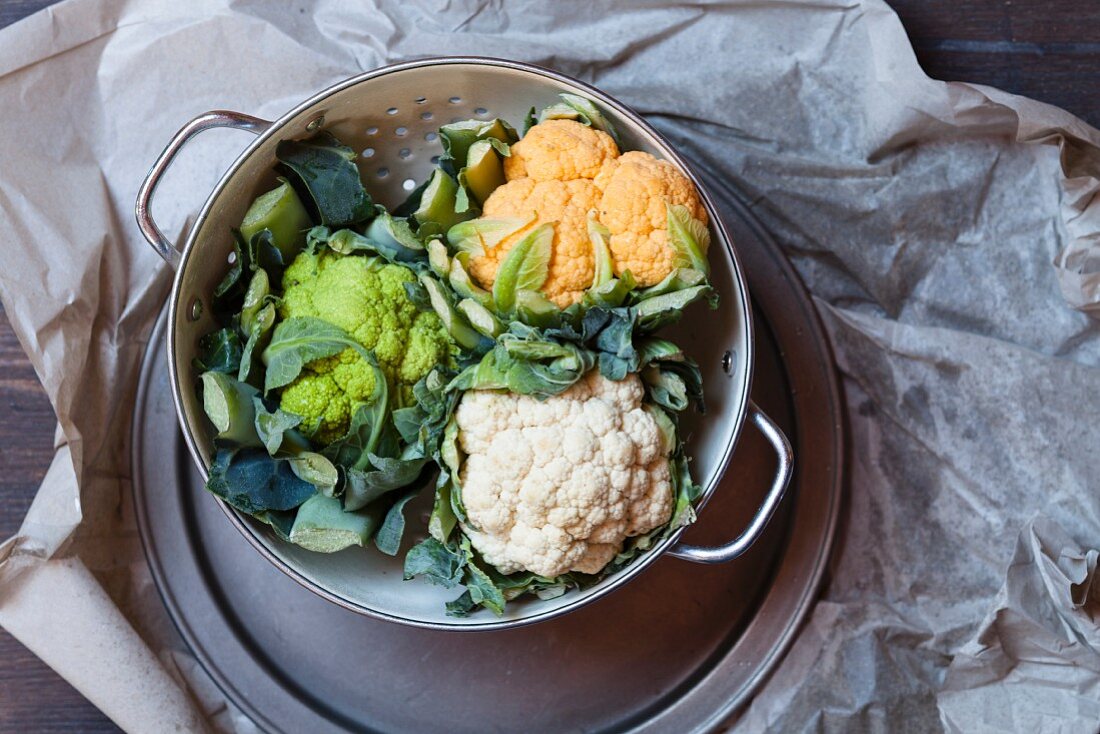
x: 366, y: 298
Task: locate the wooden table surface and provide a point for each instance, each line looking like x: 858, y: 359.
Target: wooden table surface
x: 1045, y: 49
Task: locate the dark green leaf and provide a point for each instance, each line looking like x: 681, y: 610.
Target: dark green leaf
x: 324, y: 169
x: 418, y: 296
x: 252, y: 481
x: 407, y: 421
x: 365, y: 486
x: 219, y: 351
x: 482, y: 590
x: 462, y: 606
x: 263, y: 254
x: 435, y: 561
x: 615, y: 344
x: 524, y: 582
x: 388, y: 537
x: 280, y: 521
x: 423, y: 424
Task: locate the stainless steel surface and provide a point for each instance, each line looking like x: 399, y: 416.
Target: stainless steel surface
x: 143, y: 210
x: 681, y: 650
x: 785, y: 468
x: 390, y: 116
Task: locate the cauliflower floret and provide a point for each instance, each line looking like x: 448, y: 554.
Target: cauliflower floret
x: 559, y: 150
x: 367, y: 301
x: 562, y: 494
x: 561, y: 170
x: 635, y: 189
x: 564, y: 202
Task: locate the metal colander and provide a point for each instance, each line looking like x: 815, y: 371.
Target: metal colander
x: 390, y: 116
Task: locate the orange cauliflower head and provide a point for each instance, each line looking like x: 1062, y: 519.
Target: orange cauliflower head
x: 559, y: 150
x: 559, y: 172
x: 635, y: 189
x: 565, y: 202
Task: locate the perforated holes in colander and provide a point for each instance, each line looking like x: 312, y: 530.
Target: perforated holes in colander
x: 401, y: 141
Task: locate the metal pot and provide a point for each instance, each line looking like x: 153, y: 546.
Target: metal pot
x: 390, y: 116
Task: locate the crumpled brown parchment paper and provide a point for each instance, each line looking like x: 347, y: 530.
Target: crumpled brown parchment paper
x: 950, y: 234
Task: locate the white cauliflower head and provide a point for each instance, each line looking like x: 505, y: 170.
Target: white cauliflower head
x: 557, y: 485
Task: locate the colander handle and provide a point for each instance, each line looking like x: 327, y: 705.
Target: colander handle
x: 748, y: 536
x: 206, y: 121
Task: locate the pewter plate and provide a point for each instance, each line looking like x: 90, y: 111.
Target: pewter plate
x: 681, y: 648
